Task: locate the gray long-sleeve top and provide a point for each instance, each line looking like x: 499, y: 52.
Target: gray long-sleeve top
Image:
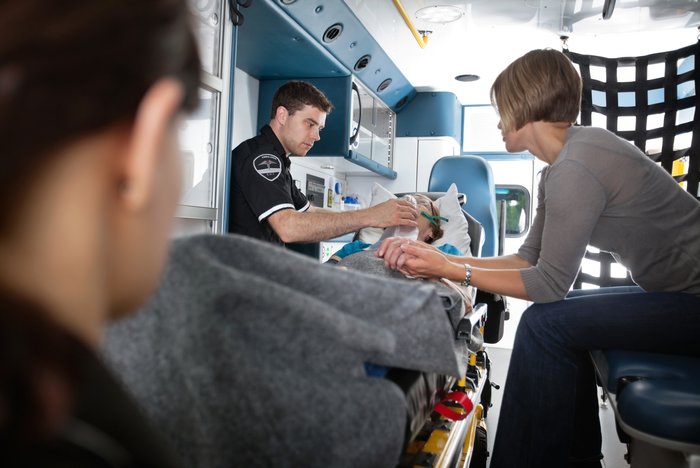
x: 604, y: 192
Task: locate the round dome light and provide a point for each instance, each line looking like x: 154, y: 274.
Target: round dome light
x: 440, y: 14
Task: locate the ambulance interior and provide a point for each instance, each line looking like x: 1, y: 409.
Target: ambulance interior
x: 410, y: 84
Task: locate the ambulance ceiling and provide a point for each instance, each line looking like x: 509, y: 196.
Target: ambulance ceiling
x: 492, y: 33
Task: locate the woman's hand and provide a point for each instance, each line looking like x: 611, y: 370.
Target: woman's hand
x: 390, y: 249
x: 420, y: 262
x: 412, y: 258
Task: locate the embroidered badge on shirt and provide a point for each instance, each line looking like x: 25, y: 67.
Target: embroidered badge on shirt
x: 268, y: 165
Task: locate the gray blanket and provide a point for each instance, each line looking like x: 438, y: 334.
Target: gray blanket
x: 452, y: 301
x: 251, y: 355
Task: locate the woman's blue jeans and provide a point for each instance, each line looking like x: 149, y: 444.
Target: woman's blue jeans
x: 549, y: 412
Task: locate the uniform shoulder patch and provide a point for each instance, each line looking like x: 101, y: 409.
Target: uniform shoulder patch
x: 268, y: 166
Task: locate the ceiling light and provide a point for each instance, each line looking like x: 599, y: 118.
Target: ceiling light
x: 467, y: 77
x: 440, y: 14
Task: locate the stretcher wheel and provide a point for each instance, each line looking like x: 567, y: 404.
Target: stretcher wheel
x: 480, y: 451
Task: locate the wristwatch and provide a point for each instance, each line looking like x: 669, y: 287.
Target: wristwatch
x: 467, y: 275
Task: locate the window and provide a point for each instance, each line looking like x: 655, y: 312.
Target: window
x: 198, y: 142
x: 480, y: 131
x: 208, y: 29
x: 516, y: 200
x: 203, y: 145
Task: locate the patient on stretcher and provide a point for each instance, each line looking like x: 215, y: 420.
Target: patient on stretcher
x: 359, y: 255
x: 429, y: 230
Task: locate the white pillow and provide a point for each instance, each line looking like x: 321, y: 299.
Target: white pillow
x: 371, y: 235
x: 456, y: 230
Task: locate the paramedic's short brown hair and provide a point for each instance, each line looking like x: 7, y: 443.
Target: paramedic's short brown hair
x: 294, y: 95
x: 541, y: 85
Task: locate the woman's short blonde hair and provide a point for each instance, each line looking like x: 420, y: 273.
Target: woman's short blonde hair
x: 542, y: 85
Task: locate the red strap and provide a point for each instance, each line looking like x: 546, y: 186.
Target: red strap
x: 458, y: 397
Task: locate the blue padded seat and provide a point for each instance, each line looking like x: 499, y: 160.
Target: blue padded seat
x: 665, y: 408
x: 656, y: 395
x: 473, y: 177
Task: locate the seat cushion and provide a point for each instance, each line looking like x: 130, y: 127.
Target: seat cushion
x: 656, y: 394
x: 666, y: 408
x: 613, y: 365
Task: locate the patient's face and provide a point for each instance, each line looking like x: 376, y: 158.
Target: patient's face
x: 424, y: 227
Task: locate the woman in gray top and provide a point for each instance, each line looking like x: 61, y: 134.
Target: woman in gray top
x: 597, y: 190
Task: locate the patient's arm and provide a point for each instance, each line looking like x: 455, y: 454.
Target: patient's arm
x: 466, y: 292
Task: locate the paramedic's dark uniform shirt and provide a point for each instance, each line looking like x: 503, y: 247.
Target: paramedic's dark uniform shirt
x: 261, y: 185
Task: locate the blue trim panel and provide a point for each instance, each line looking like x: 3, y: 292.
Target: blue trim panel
x: 364, y: 161
x: 500, y: 156
x: 431, y: 114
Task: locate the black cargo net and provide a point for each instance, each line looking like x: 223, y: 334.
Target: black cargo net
x: 650, y: 101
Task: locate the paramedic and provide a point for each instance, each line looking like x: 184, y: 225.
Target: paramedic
x: 90, y: 99
x: 600, y: 190
x: 266, y: 204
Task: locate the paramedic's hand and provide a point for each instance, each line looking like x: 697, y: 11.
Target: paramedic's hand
x: 391, y: 250
x: 395, y: 212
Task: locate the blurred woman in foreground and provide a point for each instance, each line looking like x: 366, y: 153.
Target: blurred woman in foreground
x: 90, y: 94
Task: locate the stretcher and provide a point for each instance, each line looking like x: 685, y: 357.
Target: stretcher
x: 453, y: 431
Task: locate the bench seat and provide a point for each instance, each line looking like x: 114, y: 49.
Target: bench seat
x: 656, y: 397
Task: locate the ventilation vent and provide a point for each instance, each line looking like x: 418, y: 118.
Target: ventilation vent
x: 333, y: 33
x: 383, y: 85
x: 402, y: 102
x: 363, y: 62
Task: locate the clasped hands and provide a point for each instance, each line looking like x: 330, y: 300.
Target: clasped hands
x: 412, y: 258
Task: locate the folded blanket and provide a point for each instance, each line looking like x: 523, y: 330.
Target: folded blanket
x: 456, y: 299
x: 252, y: 355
